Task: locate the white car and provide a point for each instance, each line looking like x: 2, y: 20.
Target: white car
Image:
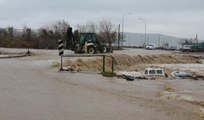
x: 150, y: 46
x: 154, y: 72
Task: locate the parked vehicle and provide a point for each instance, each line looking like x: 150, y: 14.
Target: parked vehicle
x: 173, y: 48
x: 186, y: 48
x: 151, y: 46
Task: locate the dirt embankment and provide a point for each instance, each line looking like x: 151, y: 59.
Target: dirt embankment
x: 126, y: 62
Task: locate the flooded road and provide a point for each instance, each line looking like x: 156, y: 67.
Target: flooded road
x: 30, y: 89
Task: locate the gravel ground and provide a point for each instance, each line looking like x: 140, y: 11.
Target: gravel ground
x: 30, y: 89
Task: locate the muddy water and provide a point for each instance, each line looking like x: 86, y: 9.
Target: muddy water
x: 31, y: 89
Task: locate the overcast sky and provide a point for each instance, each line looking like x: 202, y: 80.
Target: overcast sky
x: 179, y: 18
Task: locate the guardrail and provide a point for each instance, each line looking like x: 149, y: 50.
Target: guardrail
x: 90, y: 55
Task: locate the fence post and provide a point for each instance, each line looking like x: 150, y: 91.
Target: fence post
x: 104, y: 62
x: 112, y: 64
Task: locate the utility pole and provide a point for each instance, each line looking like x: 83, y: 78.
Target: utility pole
x: 123, y: 17
x: 119, y: 37
x: 159, y: 40
x: 197, y: 39
x: 145, y: 21
x: 141, y: 40
x: 147, y: 41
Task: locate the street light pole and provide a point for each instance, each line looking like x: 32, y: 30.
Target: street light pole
x: 123, y: 26
x: 145, y: 29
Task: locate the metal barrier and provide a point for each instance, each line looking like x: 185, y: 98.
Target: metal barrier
x: 90, y: 55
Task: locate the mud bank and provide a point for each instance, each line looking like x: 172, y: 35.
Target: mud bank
x: 126, y: 62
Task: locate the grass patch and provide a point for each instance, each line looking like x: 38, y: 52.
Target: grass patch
x: 108, y: 74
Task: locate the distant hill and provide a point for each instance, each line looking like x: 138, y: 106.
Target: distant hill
x: 137, y: 39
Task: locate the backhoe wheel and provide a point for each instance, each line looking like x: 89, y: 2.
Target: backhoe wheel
x: 91, y: 50
x: 104, y: 49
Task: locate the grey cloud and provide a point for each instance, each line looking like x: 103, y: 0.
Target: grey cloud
x: 170, y: 14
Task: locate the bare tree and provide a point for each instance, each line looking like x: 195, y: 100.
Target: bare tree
x: 107, y: 31
x: 59, y: 27
x: 92, y: 27
x: 89, y: 27
x: 81, y: 28
x: 10, y: 31
x: 26, y: 33
x: 185, y: 41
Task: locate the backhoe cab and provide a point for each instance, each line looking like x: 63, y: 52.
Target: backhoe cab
x: 86, y: 44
